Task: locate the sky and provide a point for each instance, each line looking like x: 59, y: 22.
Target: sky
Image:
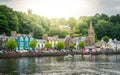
x: 65, y: 8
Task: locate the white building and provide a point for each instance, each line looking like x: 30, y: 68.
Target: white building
x: 101, y: 45
x: 76, y: 40
x: 40, y: 43
x: 114, y: 44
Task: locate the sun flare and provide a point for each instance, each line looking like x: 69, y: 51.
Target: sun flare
x: 57, y: 8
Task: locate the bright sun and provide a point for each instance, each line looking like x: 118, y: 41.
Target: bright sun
x: 58, y: 8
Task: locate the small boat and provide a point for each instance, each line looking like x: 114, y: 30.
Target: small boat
x: 68, y: 56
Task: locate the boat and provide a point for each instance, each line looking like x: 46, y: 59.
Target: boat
x: 68, y: 56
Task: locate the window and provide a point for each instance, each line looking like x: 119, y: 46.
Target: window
x: 26, y: 38
x: 21, y: 38
x: 21, y: 44
x: 26, y: 44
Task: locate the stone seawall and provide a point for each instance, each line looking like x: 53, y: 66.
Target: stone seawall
x: 33, y: 54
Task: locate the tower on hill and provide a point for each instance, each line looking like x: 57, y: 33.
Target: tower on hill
x: 29, y: 11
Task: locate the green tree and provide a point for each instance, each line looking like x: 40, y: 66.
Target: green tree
x: 23, y: 23
x: 72, y: 22
x: 8, y: 20
x: 38, y: 32
x: 60, y: 45
x: 103, y: 28
x: 63, y: 33
x: 106, y: 39
x: 54, y: 31
x: 83, y: 27
x: 48, y: 45
x: 115, y: 19
x: 62, y: 21
x: 116, y: 31
x: 81, y: 44
x: 11, y: 44
x: 104, y: 17
x: 71, y: 46
x: 32, y: 44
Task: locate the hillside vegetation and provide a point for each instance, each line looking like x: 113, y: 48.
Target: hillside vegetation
x: 23, y: 23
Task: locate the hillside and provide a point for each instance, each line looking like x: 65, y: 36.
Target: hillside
x: 23, y: 23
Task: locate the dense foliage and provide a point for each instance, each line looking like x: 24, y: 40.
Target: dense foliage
x: 81, y: 44
x: 71, y: 46
x: 32, y: 44
x: 103, y: 24
x: 48, y: 45
x: 60, y: 45
x: 106, y: 39
x: 11, y: 44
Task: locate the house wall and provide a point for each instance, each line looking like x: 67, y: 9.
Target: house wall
x: 23, y: 41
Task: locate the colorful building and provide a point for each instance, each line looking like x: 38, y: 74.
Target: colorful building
x: 23, y: 41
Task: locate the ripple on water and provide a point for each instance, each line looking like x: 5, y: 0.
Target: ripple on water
x: 59, y: 66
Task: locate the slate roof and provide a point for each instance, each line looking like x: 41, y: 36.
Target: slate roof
x: 100, y: 43
x: 116, y: 42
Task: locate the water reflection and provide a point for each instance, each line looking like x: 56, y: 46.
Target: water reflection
x: 87, y: 64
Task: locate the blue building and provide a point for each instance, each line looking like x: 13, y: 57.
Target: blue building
x: 23, y: 41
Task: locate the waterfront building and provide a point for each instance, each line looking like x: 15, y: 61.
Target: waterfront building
x: 53, y: 40
x: 40, y: 43
x: 3, y: 40
x: 22, y: 40
x: 76, y: 41
x: 114, y: 44
x: 101, y: 45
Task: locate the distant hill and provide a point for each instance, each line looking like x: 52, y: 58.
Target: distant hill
x: 24, y: 23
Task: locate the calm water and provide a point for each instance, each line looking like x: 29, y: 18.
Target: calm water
x: 78, y: 65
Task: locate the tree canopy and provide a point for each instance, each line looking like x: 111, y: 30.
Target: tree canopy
x: 81, y: 44
x: 106, y: 39
x: 11, y: 44
x: 48, y: 45
x: 32, y: 44
x: 60, y: 45
x: 71, y: 46
x: 24, y: 23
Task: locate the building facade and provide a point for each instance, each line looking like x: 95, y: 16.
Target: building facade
x: 40, y: 43
x: 114, y: 44
x: 3, y: 40
x: 23, y: 41
x: 53, y: 40
x: 101, y: 45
